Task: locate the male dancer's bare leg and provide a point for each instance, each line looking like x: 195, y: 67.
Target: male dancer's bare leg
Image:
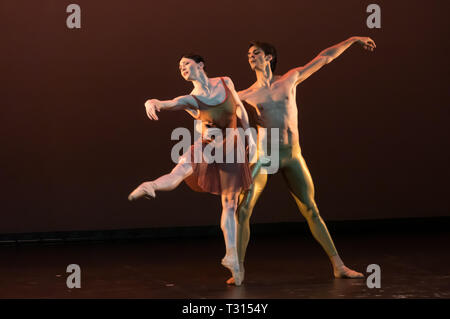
x: 166, y: 182
x: 247, y: 202
x: 300, y: 184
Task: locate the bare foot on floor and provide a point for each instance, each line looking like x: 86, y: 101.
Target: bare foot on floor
x: 230, y: 280
x: 233, y: 267
x: 344, y: 272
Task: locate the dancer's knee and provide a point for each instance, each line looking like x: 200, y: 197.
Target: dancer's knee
x: 245, y: 208
x: 311, y: 212
x: 243, y: 213
x: 179, y: 173
x: 182, y: 169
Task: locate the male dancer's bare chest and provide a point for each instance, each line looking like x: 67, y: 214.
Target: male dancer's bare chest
x: 272, y: 105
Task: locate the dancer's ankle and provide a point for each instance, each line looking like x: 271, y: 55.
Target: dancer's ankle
x: 231, y: 252
x: 337, y: 262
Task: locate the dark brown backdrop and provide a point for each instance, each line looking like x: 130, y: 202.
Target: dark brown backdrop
x: 75, y: 138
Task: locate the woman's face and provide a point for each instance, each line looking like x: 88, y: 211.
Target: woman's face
x: 189, y: 69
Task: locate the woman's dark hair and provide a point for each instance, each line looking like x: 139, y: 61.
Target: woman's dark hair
x: 268, y: 49
x: 197, y: 58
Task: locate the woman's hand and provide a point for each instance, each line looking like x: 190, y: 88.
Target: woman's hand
x: 151, y: 107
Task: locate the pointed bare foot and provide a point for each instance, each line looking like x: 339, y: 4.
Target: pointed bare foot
x: 230, y: 280
x: 233, y: 267
x: 344, y: 272
x: 146, y: 189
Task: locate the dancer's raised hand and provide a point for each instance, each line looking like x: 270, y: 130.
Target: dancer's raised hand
x: 367, y: 43
x: 151, y: 107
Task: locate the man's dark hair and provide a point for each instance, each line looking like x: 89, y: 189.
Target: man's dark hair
x: 267, y: 49
x: 197, y: 58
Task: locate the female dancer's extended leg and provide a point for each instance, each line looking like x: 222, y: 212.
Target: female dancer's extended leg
x: 166, y: 182
x: 228, y: 220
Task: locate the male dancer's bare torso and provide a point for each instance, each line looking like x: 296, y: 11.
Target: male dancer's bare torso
x: 276, y: 107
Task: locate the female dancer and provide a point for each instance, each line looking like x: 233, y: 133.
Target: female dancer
x: 215, y: 102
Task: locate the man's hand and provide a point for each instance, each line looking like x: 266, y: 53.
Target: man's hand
x: 252, y: 150
x: 366, y: 42
x: 151, y: 107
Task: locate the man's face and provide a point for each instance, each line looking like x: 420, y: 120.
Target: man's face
x: 257, y: 59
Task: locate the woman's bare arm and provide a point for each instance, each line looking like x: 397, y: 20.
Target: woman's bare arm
x: 185, y: 102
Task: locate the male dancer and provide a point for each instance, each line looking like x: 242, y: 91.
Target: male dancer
x: 273, y: 98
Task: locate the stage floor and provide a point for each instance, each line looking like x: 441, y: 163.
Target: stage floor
x: 277, y: 267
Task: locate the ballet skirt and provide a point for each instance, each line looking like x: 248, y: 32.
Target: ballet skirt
x: 219, y: 177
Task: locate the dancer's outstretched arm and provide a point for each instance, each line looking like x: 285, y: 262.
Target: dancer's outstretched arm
x: 185, y: 102
x: 300, y: 74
